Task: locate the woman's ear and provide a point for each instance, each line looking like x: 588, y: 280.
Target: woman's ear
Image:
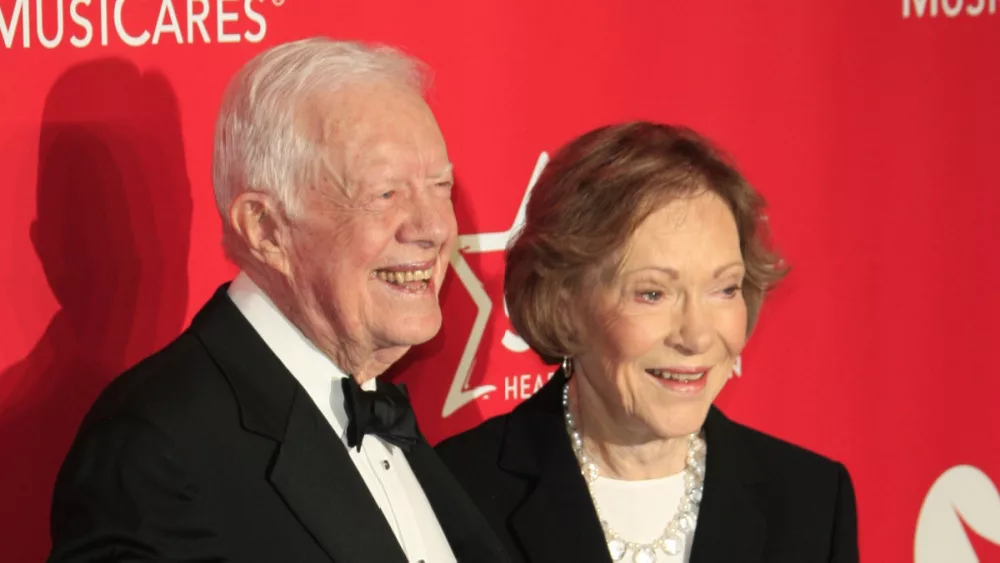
x: 573, y: 306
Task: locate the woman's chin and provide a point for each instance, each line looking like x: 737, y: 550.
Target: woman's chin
x: 679, y: 420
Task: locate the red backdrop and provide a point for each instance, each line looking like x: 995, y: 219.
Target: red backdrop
x: 870, y: 125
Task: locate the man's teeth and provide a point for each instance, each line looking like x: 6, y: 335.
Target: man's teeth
x: 404, y: 276
x: 675, y: 376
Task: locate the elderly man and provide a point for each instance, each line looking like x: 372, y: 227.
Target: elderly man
x: 260, y: 434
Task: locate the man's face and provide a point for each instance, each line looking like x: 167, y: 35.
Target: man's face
x: 370, y: 249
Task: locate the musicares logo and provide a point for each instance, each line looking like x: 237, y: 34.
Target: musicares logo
x: 82, y: 22
x: 963, y: 498
x: 950, y: 8
x: 517, y: 387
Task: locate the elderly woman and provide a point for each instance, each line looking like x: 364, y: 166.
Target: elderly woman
x: 641, y: 270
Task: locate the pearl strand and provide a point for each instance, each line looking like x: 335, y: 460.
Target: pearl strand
x: 671, y: 541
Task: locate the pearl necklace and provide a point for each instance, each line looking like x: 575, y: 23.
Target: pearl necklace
x: 683, y: 523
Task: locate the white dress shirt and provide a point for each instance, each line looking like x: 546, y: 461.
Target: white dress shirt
x: 383, y: 466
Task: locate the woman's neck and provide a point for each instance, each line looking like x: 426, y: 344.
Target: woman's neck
x: 622, y: 447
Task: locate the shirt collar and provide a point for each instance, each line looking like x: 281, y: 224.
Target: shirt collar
x: 314, y: 370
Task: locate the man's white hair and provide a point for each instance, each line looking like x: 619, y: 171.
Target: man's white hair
x: 258, y: 142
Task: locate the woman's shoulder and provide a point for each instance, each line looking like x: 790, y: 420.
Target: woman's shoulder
x: 474, y: 458
x: 800, y: 492
x: 776, y: 459
x: 484, y: 437
x: 528, y: 426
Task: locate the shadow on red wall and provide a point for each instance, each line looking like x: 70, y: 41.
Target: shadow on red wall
x: 112, y: 232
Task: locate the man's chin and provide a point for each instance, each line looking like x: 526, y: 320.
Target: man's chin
x: 413, y: 333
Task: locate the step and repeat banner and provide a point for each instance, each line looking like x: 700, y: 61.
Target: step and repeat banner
x: 871, y: 126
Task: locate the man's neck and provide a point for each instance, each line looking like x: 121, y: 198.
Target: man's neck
x: 360, y: 360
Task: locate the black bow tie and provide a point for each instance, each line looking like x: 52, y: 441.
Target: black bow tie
x: 385, y: 413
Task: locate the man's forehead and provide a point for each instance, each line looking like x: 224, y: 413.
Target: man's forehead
x: 392, y: 164
x: 380, y: 132
x: 401, y: 148
x: 371, y: 106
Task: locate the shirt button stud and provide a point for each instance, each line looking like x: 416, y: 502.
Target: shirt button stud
x: 385, y: 465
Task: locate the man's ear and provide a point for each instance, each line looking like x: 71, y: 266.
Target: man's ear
x: 262, y: 227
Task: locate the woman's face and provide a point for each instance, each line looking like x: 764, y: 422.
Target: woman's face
x: 663, y: 335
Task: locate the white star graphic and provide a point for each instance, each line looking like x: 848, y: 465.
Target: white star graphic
x: 458, y: 394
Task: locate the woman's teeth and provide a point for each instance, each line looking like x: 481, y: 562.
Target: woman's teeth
x: 675, y: 376
x: 401, y: 277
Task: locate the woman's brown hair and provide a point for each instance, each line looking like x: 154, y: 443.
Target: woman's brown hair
x: 589, y: 201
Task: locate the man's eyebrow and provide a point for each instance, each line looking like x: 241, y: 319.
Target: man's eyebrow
x: 445, y: 172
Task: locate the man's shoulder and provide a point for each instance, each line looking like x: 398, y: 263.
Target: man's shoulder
x: 177, y: 383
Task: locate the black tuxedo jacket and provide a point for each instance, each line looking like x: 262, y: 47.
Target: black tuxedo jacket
x: 764, y: 500
x: 210, y: 451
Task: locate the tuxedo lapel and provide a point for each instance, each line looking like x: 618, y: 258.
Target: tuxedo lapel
x: 557, y: 521
x: 311, y: 471
x: 470, y: 537
x: 731, y: 525
x: 316, y: 477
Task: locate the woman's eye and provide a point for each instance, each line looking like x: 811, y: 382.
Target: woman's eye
x: 650, y: 296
